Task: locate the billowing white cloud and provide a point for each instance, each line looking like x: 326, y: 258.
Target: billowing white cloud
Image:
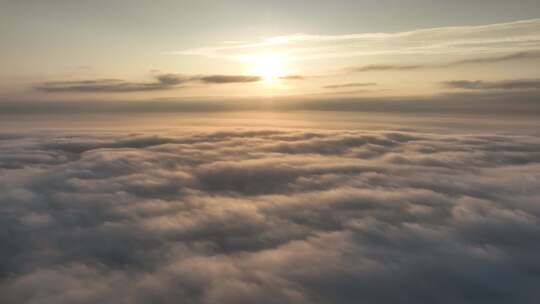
x: 269, y: 216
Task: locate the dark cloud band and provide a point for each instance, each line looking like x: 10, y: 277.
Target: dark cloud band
x: 351, y: 85
x: 519, y: 84
x: 163, y: 82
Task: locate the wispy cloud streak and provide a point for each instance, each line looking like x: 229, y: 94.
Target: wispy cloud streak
x: 518, y: 84
x: 457, y: 63
x: 162, y: 82
x: 350, y: 85
x: 518, y: 36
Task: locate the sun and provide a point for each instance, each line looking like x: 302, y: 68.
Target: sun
x: 271, y: 67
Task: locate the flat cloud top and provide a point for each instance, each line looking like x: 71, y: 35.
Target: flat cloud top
x: 269, y: 215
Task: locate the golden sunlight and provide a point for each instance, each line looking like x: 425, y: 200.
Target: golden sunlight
x: 268, y: 66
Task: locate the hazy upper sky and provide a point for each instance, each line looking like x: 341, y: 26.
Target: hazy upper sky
x: 146, y: 50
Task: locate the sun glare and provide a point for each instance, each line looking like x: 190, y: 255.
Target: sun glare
x: 268, y: 66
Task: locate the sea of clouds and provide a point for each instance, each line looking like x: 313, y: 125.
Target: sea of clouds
x: 269, y: 216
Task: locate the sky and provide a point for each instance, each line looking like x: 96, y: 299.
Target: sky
x: 273, y: 152
x: 236, y: 50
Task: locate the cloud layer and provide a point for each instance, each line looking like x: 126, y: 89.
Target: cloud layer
x: 269, y: 216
